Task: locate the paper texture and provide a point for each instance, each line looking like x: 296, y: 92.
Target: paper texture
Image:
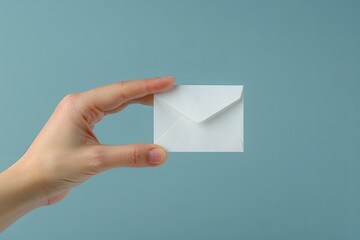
x: 200, y: 118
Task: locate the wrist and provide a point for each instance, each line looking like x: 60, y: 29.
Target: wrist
x: 20, y: 192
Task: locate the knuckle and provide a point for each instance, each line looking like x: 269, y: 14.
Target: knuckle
x: 68, y: 103
x: 120, y: 85
x: 70, y: 98
x: 135, y: 157
x: 147, y: 88
x: 97, y: 161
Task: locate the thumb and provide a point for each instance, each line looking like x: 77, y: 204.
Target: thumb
x: 104, y: 157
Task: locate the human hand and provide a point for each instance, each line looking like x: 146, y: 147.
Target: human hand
x: 66, y: 152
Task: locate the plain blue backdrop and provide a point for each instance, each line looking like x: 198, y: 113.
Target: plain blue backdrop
x: 299, y: 62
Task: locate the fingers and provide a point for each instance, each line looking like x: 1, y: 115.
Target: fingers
x: 112, y: 96
x: 104, y: 157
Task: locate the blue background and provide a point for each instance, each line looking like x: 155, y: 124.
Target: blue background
x: 299, y: 61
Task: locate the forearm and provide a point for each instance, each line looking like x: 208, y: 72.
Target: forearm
x: 19, y: 194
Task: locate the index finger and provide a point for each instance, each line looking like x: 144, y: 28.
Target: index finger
x: 111, y: 96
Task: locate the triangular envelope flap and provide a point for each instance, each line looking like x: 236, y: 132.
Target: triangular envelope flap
x: 199, y: 103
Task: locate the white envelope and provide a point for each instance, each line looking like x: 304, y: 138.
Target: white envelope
x: 200, y: 118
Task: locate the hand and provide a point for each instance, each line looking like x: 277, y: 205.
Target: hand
x: 66, y: 152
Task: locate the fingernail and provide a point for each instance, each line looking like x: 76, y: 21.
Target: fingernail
x: 156, y: 156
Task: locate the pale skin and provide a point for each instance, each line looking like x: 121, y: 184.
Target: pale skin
x: 66, y: 152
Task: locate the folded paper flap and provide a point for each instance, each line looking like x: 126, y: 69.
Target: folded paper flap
x: 199, y: 103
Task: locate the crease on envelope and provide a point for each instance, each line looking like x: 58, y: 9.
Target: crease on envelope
x: 229, y: 132
x: 170, y: 128
x: 221, y: 110
x: 217, y: 139
x: 202, y: 106
x: 197, y: 105
x: 207, y: 119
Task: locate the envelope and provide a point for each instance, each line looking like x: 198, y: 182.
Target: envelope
x: 200, y: 118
